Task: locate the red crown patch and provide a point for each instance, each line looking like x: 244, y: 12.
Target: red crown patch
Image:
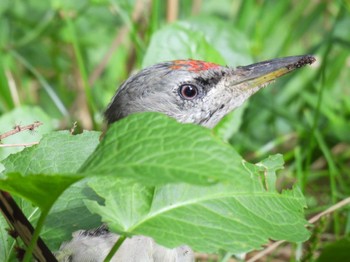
x: 193, y: 65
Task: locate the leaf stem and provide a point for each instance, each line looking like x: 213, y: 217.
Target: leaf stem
x: 35, y: 237
x: 115, y: 248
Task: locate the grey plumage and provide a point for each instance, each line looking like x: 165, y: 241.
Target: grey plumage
x: 94, y: 245
x: 220, y: 89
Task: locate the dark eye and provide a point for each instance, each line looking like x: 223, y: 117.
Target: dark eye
x: 188, y: 91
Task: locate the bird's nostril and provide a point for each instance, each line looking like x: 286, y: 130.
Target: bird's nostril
x: 222, y: 106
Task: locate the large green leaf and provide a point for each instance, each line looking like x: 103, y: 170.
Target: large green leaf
x: 155, y: 149
x: 239, y: 213
x: 70, y: 214
x: 209, y: 218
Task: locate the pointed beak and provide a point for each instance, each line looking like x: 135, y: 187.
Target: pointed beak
x: 256, y: 76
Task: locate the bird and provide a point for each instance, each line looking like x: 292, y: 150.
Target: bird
x: 197, y: 92
x: 190, y: 91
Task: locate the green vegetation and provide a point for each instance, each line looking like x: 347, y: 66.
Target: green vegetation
x: 61, y: 62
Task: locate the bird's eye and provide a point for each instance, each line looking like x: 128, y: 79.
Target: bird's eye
x: 188, y: 91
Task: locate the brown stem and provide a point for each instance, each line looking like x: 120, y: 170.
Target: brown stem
x: 25, y: 230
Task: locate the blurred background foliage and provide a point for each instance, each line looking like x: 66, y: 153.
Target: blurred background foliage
x: 61, y: 61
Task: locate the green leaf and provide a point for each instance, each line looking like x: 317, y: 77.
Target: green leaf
x: 36, y: 187
x: 47, y: 167
x: 237, y: 216
x: 239, y: 213
x: 70, y: 214
x: 155, y: 149
x: 130, y: 201
x: 58, y: 152
x: 178, y: 42
x: 5, y: 241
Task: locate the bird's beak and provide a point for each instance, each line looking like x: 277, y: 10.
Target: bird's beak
x: 256, y: 76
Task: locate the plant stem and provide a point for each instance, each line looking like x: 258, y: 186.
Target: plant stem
x: 115, y: 248
x: 35, y: 237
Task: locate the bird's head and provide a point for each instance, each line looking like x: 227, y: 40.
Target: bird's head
x: 193, y: 91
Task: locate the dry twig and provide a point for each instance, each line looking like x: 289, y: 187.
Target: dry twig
x: 19, y: 128
x: 19, y: 145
